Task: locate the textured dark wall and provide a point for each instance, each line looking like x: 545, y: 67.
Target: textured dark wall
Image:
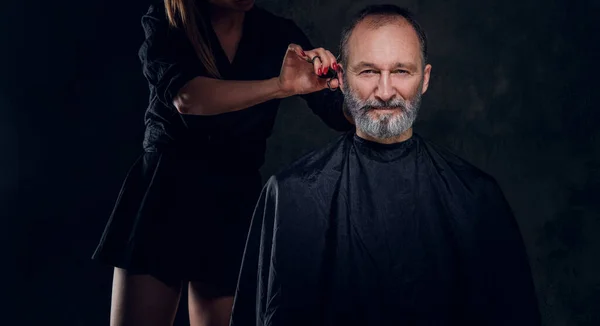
x: 511, y: 91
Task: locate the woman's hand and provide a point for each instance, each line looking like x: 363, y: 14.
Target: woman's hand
x: 299, y: 76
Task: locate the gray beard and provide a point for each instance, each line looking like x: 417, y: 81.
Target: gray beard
x: 385, y: 125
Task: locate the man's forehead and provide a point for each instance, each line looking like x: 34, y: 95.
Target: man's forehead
x: 394, y: 41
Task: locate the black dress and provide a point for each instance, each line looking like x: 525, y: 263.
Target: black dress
x: 185, y: 206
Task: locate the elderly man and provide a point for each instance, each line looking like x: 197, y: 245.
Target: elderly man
x: 383, y: 227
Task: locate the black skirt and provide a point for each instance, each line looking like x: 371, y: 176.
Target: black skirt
x: 181, y: 218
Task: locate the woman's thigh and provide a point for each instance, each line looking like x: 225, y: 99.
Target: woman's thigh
x: 142, y: 300
x: 207, y: 307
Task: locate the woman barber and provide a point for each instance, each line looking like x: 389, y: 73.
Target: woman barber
x: 217, y: 70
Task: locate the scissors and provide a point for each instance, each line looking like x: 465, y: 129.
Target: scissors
x: 330, y: 75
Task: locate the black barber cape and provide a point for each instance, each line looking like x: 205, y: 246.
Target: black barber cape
x: 362, y: 233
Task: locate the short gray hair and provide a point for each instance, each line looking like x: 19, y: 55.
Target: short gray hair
x: 388, y: 14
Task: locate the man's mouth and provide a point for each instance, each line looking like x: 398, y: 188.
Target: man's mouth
x: 385, y: 108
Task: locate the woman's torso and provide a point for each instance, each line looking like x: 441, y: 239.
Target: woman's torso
x: 238, y: 136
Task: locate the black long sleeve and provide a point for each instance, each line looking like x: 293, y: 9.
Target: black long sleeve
x: 168, y: 59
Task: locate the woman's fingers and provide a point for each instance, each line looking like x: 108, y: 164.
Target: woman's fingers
x: 333, y: 83
x: 298, y: 50
x: 332, y: 60
x: 316, y: 59
x: 322, y: 60
x: 324, y: 64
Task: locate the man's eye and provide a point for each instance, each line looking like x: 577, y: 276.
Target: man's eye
x: 368, y: 72
x: 401, y: 72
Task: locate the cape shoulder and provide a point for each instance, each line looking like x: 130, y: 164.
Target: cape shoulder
x: 468, y: 193
x: 447, y: 163
x: 309, y: 179
x: 317, y: 163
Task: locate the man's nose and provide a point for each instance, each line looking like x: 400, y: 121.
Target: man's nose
x: 385, y: 91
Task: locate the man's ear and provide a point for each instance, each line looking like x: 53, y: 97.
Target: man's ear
x: 426, y: 75
x: 340, y: 75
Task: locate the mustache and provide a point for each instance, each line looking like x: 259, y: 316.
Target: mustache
x: 394, y: 104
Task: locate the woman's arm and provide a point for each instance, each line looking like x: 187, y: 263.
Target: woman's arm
x: 208, y: 96
x: 171, y: 66
x: 181, y: 81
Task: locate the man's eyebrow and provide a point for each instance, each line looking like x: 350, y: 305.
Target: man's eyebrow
x: 365, y: 64
x: 407, y: 65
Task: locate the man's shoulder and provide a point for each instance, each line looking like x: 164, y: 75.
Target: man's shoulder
x: 447, y: 159
x: 468, y: 188
x: 320, y: 165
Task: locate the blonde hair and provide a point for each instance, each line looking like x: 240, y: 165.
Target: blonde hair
x: 185, y: 15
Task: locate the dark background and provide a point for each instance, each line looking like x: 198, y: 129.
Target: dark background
x: 511, y: 91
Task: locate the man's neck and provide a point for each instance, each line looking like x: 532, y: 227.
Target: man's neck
x: 398, y: 139
x: 226, y: 21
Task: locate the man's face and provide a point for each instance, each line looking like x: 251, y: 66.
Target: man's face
x: 384, y: 78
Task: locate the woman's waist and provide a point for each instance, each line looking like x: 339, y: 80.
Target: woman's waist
x: 169, y: 135
x: 242, y: 153
x: 256, y: 122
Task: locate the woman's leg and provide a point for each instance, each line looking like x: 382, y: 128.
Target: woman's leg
x: 205, y: 308
x: 142, y: 300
